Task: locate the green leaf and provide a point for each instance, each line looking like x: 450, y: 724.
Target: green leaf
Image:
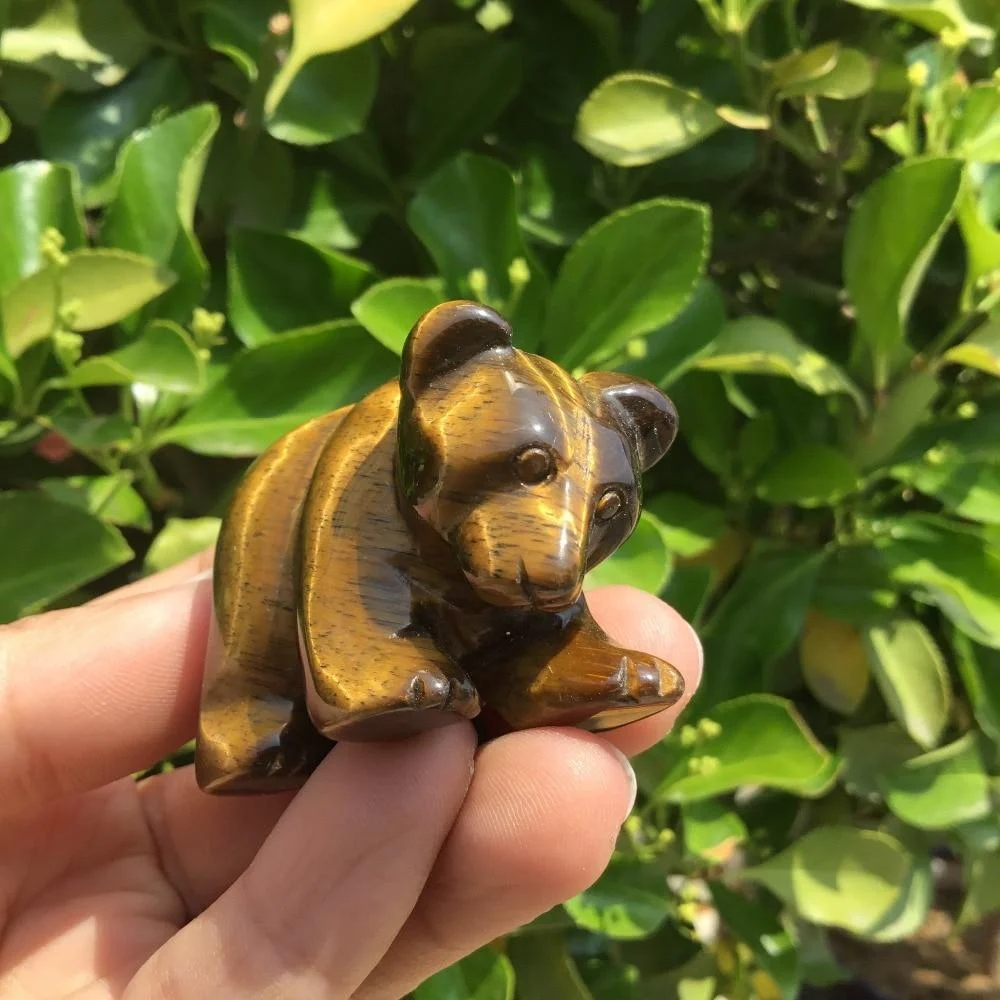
x: 940, y: 789
x: 35, y: 196
x: 755, y: 345
x: 757, y: 621
x: 643, y: 561
x: 934, y: 15
x: 50, y: 549
x: 979, y: 668
x: 466, y: 216
x: 279, y: 282
x: 840, y: 74
x: 910, y: 911
x: 808, y: 475
x: 977, y: 132
x: 626, y: 903
x: 912, y: 676
x: 111, y: 498
x: 839, y: 876
x: 688, y: 526
x: 328, y: 99
x: 86, y: 432
x: 898, y: 417
x: 236, y: 28
x: 98, y: 287
x: 274, y: 388
x: 87, y: 130
x: 667, y: 353
x: 390, y: 309
x: 982, y: 241
x: 81, y: 46
x: 635, y: 118
x: 970, y: 489
x: 952, y: 565
x: 544, y: 969
x: 981, y: 350
x: 180, y: 539
x: 739, y: 14
x: 763, y: 741
x: 983, y: 883
x: 712, y: 831
x: 891, y: 237
x: 4, y: 126
x: 871, y: 751
x: 158, y: 176
x: 464, y: 79
x: 972, y: 438
x: 163, y: 356
x: 622, y: 279
x: 483, y: 975
x: 322, y: 26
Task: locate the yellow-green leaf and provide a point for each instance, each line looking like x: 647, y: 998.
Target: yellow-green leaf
x: 981, y: 350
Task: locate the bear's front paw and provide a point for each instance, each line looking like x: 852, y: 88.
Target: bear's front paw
x: 642, y: 680
x: 432, y: 689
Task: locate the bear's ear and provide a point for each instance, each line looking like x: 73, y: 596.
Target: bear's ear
x: 644, y: 413
x: 447, y: 337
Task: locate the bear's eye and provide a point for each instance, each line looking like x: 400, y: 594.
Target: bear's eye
x: 534, y: 465
x: 609, y: 505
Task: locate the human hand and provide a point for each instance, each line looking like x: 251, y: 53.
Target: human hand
x: 394, y: 860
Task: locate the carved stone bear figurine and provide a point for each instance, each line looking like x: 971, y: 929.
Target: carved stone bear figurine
x: 419, y: 558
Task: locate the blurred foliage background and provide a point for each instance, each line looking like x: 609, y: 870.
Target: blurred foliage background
x: 219, y: 218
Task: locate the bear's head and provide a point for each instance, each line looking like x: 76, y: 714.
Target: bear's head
x: 531, y: 476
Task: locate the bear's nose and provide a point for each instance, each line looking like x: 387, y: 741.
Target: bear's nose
x: 550, y: 589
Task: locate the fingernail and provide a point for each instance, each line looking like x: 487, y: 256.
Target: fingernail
x: 633, y: 784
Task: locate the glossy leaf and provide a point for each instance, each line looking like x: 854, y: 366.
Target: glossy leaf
x: 712, y: 831
x: 273, y: 388
x: 839, y: 876
x: 98, y: 287
x: 934, y: 15
x: 808, y: 475
x: 834, y: 662
x: 111, y: 498
x: 869, y: 752
x: 279, y: 282
x: 899, y: 416
x: 322, y: 26
x: 159, y: 174
x: 464, y: 80
x: 88, y: 130
x: 544, y: 969
x: 940, y: 789
x: 891, y: 236
x: 163, y: 356
x: 81, y: 46
x: 839, y: 74
x: 35, y: 196
x: 627, y: 902
x: 643, y: 561
x: 970, y: 489
x: 952, y: 565
x: 4, y: 126
x: 981, y: 350
x: 979, y: 668
x: 911, y: 674
x: 466, y: 216
x: 688, y: 526
x: 50, y: 549
x: 483, y: 975
x: 982, y: 240
x: 758, y: 620
x: 635, y: 118
x: 755, y: 345
x: 983, y: 882
x: 179, y: 539
x: 329, y: 98
x: 977, y: 135
x: 910, y: 910
x: 622, y: 279
x: 762, y: 741
x: 390, y: 309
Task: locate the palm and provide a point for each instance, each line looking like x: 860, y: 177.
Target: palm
x: 392, y: 862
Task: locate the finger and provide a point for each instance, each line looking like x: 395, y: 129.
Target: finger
x: 639, y: 620
x: 330, y: 888
x: 195, y: 567
x: 91, y: 694
x: 206, y: 842
x: 538, y: 826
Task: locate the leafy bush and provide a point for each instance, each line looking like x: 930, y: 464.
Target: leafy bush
x: 220, y: 219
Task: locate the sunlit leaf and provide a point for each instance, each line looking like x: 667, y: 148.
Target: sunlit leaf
x: 390, y: 309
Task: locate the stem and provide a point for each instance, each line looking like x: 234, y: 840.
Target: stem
x: 817, y: 124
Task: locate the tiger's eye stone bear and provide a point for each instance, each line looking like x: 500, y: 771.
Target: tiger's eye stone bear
x: 419, y: 558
